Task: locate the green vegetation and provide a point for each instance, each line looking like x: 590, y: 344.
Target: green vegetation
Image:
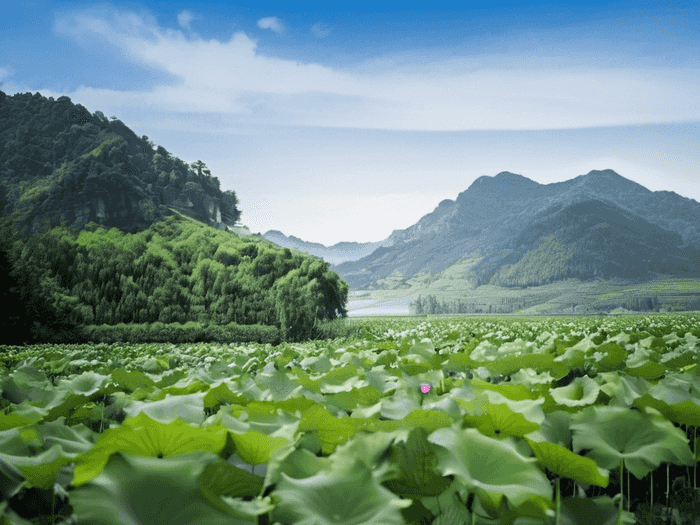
x: 568, y: 420
x: 176, y: 271
x: 666, y: 293
x: 62, y: 163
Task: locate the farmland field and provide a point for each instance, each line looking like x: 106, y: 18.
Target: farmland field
x: 519, y: 420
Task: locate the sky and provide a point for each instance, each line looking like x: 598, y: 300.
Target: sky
x: 346, y: 121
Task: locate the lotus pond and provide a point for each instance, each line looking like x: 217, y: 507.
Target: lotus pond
x: 476, y: 420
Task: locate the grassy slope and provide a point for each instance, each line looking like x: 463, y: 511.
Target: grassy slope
x: 451, y: 284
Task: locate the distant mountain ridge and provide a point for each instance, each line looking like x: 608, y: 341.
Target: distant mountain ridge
x: 336, y: 254
x: 522, y: 233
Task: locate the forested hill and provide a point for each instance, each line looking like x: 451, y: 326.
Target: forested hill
x: 99, y: 229
x: 59, y: 162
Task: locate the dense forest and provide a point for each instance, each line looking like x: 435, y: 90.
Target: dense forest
x: 59, y: 162
x: 100, y: 229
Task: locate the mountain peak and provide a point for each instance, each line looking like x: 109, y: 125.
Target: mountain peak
x: 505, y: 180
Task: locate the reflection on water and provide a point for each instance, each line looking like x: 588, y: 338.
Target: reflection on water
x: 374, y: 307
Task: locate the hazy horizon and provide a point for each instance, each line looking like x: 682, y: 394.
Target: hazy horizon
x: 337, y: 123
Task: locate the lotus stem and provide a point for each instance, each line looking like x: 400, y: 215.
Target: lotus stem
x: 622, y: 491
x: 558, y: 503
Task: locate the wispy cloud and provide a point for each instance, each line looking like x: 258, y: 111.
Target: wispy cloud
x: 271, y: 22
x: 184, y: 19
x: 235, y: 78
x: 321, y: 30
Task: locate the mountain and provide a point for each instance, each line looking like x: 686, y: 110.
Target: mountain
x: 99, y: 229
x: 517, y: 232
x: 336, y: 254
x: 62, y: 163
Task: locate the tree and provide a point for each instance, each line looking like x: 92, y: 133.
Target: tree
x: 200, y: 168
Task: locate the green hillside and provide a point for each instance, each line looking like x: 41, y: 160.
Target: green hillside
x: 62, y: 163
x: 178, y: 270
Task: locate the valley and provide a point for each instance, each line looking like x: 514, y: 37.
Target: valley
x: 570, y: 296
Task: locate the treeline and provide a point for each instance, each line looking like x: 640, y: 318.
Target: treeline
x: 62, y: 163
x: 642, y: 304
x: 431, y: 305
x: 176, y: 271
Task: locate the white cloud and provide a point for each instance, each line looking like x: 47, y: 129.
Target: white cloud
x: 321, y: 30
x: 271, y: 22
x: 233, y: 77
x: 184, y: 19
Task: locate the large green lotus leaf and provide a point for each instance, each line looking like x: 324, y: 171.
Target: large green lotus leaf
x: 265, y: 417
x: 609, y: 356
x: 41, y: 470
x: 19, y: 441
x: 257, y: 448
x: 73, y: 440
x: 133, y: 490
x: 563, y: 463
x: 446, y: 405
x: 428, y: 420
x: 184, y: 387
x: 221, y: 394
x: 509, y: 364
x: 617, y: 433
x: 346, y: 386
x: 224, y: 419
x: 130, y: 380
x: 11, y: 480
x: 526, y: 414
x: 364, y: 396
x: 13, y: 420
x: 277, y: 385
x: 449, y: 507
x: 28, y: 411
x: 143, y: 436
x: 416, y: 461
x: 424, y: 349
x: 380, y: 380
x: 351, y: 497
x: 496, y: 420
x: 305, y: 380
x: 64, y: 404
x: 624, y: 388
x: 187, y: 408
x: 404, y: 401
x: 644, y: 363
x: 19, y: 387
x: 370, y: 448
x: 602, y: 510
x: 295, y: 405
x: 222, y: 478
x: 171, y: 378
x: 492, y: 468
x: 686, y: 413
x: 581, y: 391
x: 574, y: 356
x: 512, y: 392
x: 330, y: 431
x: 87, y: 383
x: 296, y: 463
x: 554, y: 429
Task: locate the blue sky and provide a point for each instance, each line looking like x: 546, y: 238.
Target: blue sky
x: 344, y: 123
